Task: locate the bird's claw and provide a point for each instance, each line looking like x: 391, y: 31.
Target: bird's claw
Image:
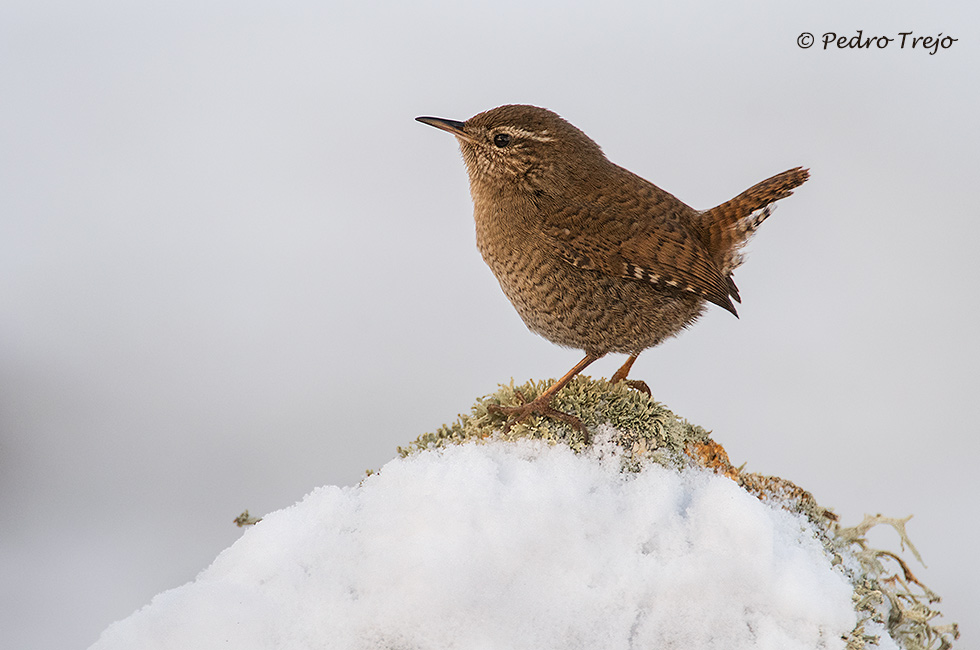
x: 640, y: 385
x: 518, y: 414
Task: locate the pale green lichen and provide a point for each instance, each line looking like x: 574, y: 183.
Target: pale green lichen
x: 245, y: 519
x: 644, y: 428
x: 647, y: 431
x: 894, y: 598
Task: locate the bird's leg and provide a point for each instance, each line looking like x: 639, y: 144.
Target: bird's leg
x: 625, y: 370
x: 632, y: 383
x: 542, y: 405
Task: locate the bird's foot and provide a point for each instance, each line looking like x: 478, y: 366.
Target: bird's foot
x: 540, y: 406
x: 640, y: 385
x: 635, y: 384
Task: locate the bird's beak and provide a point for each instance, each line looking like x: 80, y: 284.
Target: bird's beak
x: 452, y: 126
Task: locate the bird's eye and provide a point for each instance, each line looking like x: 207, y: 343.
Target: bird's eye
x: 501, y: 140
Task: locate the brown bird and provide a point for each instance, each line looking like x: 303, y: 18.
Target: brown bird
x: 591, y: 255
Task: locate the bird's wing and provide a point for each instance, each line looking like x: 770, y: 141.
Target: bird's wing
x: 623, y: 240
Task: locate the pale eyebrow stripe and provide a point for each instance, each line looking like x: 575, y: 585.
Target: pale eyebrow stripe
x: 530, y: 135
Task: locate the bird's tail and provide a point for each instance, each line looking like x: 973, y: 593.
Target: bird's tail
x: 727, y: 227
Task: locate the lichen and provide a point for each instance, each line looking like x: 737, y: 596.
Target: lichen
x: 894, y: 598
x: 893, y: 601
x: 644, y: 429
x: 245, y: 519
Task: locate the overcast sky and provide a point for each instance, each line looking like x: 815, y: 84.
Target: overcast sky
x: 233, y: 267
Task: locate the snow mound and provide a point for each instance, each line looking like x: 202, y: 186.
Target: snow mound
x: 511, y: 545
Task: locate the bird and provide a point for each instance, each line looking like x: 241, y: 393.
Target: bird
x: 592, y: 256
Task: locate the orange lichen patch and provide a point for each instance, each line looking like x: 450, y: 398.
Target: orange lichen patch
x: 711, y: 455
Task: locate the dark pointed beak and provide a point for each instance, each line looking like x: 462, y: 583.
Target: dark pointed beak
x: 454, y: 127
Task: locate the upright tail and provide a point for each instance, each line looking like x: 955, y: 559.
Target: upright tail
x: 727, y: 227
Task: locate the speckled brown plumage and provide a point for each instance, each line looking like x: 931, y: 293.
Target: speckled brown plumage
x: 591, y: 255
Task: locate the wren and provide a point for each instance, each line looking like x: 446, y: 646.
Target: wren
x: 591, y: 255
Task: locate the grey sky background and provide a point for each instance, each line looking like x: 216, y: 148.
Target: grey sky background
x: 233, y: 267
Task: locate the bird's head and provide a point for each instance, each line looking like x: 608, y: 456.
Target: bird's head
x: 522, y: 148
